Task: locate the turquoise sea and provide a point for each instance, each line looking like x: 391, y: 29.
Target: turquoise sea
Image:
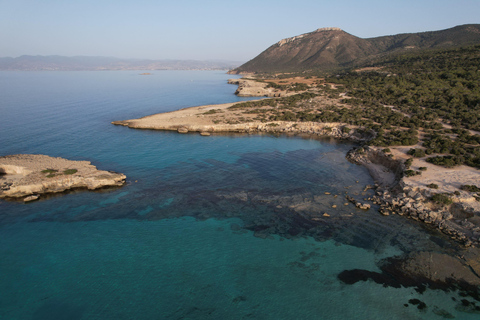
x: 219, y: 227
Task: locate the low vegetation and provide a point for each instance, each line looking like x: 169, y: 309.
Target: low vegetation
x: 50, y: 171
x: 442, y: 199
x: 53, y: 172
x: 470, y: 188
x: 429, y: 100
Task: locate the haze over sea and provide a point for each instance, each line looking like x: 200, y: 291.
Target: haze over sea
x: 204, y: 228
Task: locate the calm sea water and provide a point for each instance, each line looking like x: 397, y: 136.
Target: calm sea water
x: 219, y: 227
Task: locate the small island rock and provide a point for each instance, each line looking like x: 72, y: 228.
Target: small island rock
x: 30, y: 175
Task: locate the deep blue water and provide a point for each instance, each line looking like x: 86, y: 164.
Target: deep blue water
x: 219, y: 227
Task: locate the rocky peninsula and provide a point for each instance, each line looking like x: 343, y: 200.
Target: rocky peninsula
x: 28, y: 176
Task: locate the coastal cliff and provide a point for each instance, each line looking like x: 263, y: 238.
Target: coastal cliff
x: 30, y: 175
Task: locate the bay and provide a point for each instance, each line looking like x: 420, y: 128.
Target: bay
x: 217, y: 227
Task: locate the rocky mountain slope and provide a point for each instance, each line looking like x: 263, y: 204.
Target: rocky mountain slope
x: 329, y: 48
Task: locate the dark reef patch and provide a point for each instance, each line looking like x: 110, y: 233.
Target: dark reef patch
x: 420, y: 304
x: 405, y: 271
x: 293, y: 194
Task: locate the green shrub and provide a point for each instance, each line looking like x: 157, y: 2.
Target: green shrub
x: 470, y: 188
x: 446, y: 161
x: 422, y: 168
x: 441, y: 198
x: 70, y: 171
x: 408, y: 163
x: 212, y: 111
x: 417, y: 153
x: 411, y: 173
x: 49, y: 171
x: 433, y: 186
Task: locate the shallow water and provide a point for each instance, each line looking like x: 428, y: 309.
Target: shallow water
x: 219, y: 227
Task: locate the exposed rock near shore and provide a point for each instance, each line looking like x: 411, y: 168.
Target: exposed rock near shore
x: 385, y: 171
x: 29, y: 175
x: 459, y: 220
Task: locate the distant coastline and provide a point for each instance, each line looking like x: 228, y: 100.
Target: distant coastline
x: 87, y: 63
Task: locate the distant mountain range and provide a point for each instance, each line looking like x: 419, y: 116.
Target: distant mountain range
x: 331, y: 48
x: 53, y: 63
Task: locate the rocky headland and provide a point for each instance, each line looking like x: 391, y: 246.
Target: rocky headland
x: 206, y: 119
x: 28, y: 176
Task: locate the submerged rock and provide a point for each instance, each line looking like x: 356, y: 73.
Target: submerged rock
x: 31, y: 198
x: 421, y: 270
x: 363, y: 206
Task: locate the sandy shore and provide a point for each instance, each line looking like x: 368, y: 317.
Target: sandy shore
x: 193, y: 118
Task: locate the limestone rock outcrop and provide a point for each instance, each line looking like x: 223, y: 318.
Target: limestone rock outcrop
x: 24, y: 175
x: 253, y: 88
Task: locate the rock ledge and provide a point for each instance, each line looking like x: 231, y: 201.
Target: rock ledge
x: 24, y: 175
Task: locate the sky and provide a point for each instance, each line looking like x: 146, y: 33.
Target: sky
x: 208, y: 29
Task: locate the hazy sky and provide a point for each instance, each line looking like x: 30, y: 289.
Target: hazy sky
x: 208, y: 29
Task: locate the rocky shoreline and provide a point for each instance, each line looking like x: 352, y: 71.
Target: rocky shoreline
x: 392, y: 194
x: 395, y: 192
x: 415, y: 202
x: 29, y: 176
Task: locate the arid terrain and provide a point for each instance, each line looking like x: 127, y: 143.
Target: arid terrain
x: 28, y: 176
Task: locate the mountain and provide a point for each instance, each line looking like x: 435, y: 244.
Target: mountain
x: 107, y: 63
x: 330, y: 48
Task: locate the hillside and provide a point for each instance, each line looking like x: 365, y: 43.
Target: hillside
x: 331, y: 48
